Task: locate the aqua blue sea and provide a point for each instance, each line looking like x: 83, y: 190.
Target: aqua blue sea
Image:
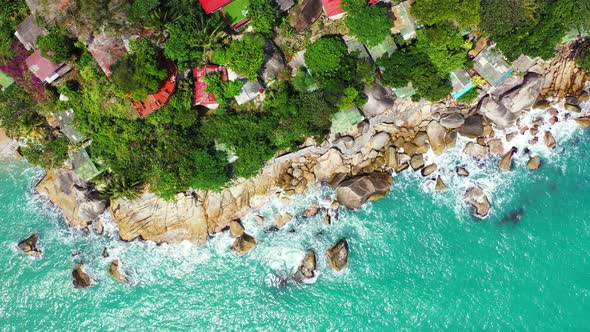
x: 418, y: 261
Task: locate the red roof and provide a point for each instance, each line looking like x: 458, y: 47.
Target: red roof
x: 332, y: 7
x: 44, y: 68
x: 202, y: 97
x: 212, y: 5
x: 158, y: 99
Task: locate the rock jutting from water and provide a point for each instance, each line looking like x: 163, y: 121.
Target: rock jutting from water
x: 354, y: 192
x: 338, y: 255
x: 116, y: 273
x: 81, y: 279
x: 29, y: 246
x: 307, y: 268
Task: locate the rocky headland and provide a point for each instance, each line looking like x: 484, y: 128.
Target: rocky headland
x: 358, y: 162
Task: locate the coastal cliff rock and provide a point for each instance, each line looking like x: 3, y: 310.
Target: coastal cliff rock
x: 29, y: 246
x: 191, y: 217
x: 562, y: 76
x: 79, y: 201
x: 81, y: 279
x: 338, y: 255
x: 354, y: 192
x: 524, y: 96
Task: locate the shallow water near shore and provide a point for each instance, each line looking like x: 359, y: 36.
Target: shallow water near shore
x: 418, y: 260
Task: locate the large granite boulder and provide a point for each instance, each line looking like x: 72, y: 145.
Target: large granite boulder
x: 79, y: 201
x: 305, y: 14
x: 81, y: 279
x: 379, y: 141
x: 496, y: 112
x: 338, y: 255
x: 29, y: 246
x: 477, y: 199
x: 475, y: 150
x: 379, y: 100
x: 472, y: 127
x: 436, y: 136
x: 524, y: 96
x: 328, y: 165
x: 307, y: 268
x: 243, y: 244
x: 452, y: 121
x: 354, y: 192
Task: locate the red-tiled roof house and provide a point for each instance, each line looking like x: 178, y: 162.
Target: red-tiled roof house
x: 202, y: 97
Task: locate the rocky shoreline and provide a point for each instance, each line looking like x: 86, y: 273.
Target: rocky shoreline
x: 357, y: 162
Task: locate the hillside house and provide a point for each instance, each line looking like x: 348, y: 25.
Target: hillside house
x: 461, y: 82
x: 492, y: 67
x: 235, y: 12
x: 202, y: 97
x: 83, y: 165
x: 65, y: 121
x: 106, y: 50
x: 158, y: 99
x: 404, y: 23
x: 28, y: 31
x: 45, y: 69
x: 249, y: 91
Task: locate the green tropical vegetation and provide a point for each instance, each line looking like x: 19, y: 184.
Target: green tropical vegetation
x: 368, y: 23
x: 181, y: 146
x: 245, y: 56
x: 139, y: 73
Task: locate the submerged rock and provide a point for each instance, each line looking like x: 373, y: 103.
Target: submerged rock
x: 311, y: 211
x: 281, y: 219
x: 475, y: 150
x: 462, y: 171
x: 477, y: 199
x: 583, y: 121
x: 307, y: 268
x: 29, y: 246
x: 354, y: 192
x: 338, y: 255
x: 505, y: 164
x: 81, y: 278
x: 115, y: 272
x: 534, y: 163
x: 243, y: 244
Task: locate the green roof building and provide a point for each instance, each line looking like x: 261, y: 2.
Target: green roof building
x: 346, y: 119
x: 82, y: 165
x: 5, y: 80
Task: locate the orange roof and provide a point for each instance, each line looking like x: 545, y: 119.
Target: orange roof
x: 158, y: 99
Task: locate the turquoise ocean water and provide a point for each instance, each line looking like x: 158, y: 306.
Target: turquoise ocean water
x: 418, y: 261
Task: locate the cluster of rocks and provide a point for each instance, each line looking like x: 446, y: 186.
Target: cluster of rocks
x: 389, y: 140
